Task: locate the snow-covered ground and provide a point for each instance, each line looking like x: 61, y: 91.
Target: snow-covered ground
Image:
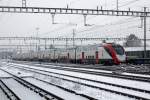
x: 22, y: 92
x: 99, y: 94
x: 55, y: 90
x: 80, y: 89
x: 16, y: 72
x: 16, y: 87
x: 3, y: 96
x: 88, y: 90
x: 3, y: 74
x: 124, y: 73
x: 109, y: 87
x: 118, y: 81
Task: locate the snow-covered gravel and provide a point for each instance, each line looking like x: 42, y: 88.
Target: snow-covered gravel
x: 55, y: 90
x: 99, y: 94
x: 22, y: 92
x: 3, y: 74
x: 123, y: 90
x: 104, y: 71
x: 119, y: 81
x: 78, y: 88
x: 3, y: 96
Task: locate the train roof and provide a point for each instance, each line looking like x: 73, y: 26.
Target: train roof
x: 136, y: 48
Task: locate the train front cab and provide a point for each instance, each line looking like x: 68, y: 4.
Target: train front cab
x: 117, y: 53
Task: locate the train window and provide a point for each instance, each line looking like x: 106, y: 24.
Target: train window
x: 93, y: 57
x: 86, y: 57
x: 119, y: 50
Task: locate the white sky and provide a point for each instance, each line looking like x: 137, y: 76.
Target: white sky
x: 101, y: 26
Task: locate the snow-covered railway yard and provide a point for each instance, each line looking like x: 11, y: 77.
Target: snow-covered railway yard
x: 2, y: 95
x: 26, y: 88
x: 80, y: 86
x: 92, y: 69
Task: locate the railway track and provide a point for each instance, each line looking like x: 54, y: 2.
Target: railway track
x: 129, y: 68
x: 46, y: 94
x: 131, y: 89
x: 8, y: 92
x: 12, y: 96
x: 124, y: 76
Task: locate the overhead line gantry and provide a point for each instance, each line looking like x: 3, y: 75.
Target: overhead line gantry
x: 129, y: 12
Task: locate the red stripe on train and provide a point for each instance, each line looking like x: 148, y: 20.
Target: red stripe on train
x: 113, y: 53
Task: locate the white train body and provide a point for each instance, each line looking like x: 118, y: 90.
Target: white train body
x: 105, y: 53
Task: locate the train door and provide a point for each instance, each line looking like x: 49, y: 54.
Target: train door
x: 97, y: 58
x: 68, y: 58
x: 82, y: 60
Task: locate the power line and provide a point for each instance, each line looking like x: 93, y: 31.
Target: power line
x: 116, y: 23
x: 130, y: 2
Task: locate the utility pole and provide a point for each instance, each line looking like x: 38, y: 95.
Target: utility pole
x: 73, y: 34
x: 53, y: 16
x: 85, y: 24
x: 37, y: 47
x: 117, y: 5
x: 66, y: 43
x: 45, y: 44
x: 145, y: 32
x: 74, y: 47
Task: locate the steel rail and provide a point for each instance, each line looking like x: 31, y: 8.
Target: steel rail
x: 42, y: 92
x: 101, y: 88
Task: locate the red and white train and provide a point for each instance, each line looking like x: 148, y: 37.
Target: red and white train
x: 104, y: 53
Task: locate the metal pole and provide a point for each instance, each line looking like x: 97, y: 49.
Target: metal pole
x: 66, y: 43
x: 53, y: 21
x: 45, y: 44
x: 85, y: 24
x: 145, y: 32
x: 73, y: 38
x: 74, y: 45
x: 37, y: 42
x: 117, y: 4
x: 75, y: 55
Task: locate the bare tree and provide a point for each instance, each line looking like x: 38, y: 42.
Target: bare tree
x: 133, y: 41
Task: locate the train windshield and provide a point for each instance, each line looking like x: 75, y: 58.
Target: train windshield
x: 119, y: 49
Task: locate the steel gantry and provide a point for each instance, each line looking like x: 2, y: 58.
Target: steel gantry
x: 74, y: 11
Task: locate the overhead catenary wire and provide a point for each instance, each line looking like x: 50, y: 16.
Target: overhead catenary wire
x: 96, y: 16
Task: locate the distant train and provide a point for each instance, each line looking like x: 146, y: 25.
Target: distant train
x: 135, y: 55
x: 104, y: 53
